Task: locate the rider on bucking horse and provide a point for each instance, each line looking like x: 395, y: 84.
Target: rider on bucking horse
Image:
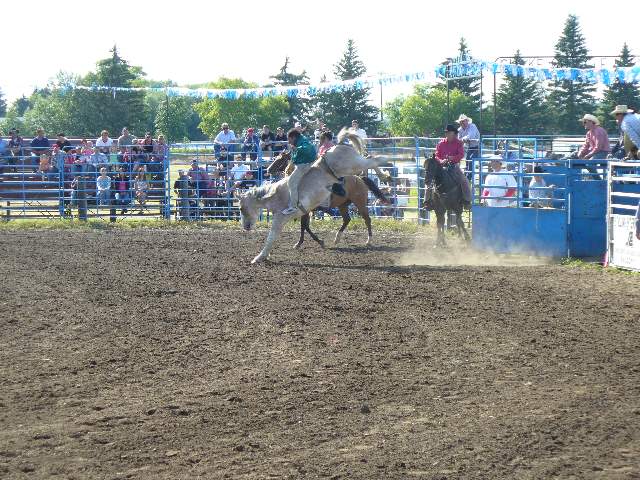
x: 303, y: 154
x: 449, y: 152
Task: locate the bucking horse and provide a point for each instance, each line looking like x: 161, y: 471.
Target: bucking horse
x: 314, y: 189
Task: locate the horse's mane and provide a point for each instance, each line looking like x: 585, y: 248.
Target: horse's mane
x: 355, y: 140
x: 259, y: 192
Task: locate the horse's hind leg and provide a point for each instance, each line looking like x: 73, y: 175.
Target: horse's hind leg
x: 304, y: 225
x: 440, y: 215
x: 364, y: 213
x: 346, y: 218
x: 308, y: 229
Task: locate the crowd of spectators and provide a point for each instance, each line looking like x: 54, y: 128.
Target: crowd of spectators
x: 109, y: 171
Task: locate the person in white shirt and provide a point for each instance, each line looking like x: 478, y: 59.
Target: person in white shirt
x: 469, y: 134
x: 225, y: 138
x: 355, y: 128
x: 238, y: 171
x: 539, y: 198
x: 104, y: 143
x: 499, y: 184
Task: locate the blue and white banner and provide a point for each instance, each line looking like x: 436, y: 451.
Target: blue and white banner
x: 457, y: 70
x: 585, y: 75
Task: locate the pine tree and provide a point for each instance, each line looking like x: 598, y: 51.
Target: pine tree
x: 468, y: 86
x: 21, y: 105
x: 120, y: 109
x: 619, y: 93
x: 298, y: 106
x: 569, y: 99
x: 338, y: 109
x: 520, y: 105
x: 3, y: 105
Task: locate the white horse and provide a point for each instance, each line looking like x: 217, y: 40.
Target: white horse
x: 314, y: 188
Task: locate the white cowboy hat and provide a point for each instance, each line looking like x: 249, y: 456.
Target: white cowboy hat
x: 621, y: 109
x: 591, y: 118
x: 463, y: 117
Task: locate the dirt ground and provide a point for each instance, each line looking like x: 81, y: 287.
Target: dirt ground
x: 161, y: 354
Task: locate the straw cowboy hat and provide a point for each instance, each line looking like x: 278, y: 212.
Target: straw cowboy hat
x: 621, y: 109
x: 463, y: 117
x: 590, y: 118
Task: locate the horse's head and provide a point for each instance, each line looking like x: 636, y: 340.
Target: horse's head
x: 279, y: 163
x: 432, y: 169
x: 249, y: 209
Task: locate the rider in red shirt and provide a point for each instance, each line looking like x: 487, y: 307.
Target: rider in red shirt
x: 449, y: 152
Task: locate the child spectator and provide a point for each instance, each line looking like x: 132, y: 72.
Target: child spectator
x: 123, y: 195
x: 539, y: 194
x: 141, y: 187
x: 182, y: 189
x: 103, y: 185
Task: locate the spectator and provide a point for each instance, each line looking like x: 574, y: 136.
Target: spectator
x: 122, y: 188
x: 45, y: 166
x: 224, y: 142
x: 318, y: 131
x: 498, y: 184
x: 126, y: 140
x: 148, y: 145
x: 238, y: 170
x: 355, y: 128
x: 638, y: 222
x: 326, y: 142
x: 182, y: 190
x: 63, y: 143
x: 104, y: 143
x: 75, y: 186
x: 247, y: 181
x: 199, y: 178
x: 539, y: 193
x: 15, y: 146
x: 4, y: 153
x: 40, y: 144
x: 298, y: 126
x: 103, y: 186
x: 449, y: 152
x: 303, y: 155
x: 250, y: 144
x: 266, y: 139
x: 161, y: 148
x: 630, y: 128
x: 280, y: 140
x: 141, y: 188
x: 469, y: 134
x: 382, y: 208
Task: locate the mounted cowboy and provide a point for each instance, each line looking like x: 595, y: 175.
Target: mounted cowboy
x: 449, y: 152
x: 303, y: 154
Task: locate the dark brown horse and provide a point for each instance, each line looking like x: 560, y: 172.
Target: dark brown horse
x: 356, y: 192
x: 443, y: 194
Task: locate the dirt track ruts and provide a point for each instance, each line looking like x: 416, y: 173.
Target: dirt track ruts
x: 161, y: 354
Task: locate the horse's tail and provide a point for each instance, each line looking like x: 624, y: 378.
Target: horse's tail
x: 355, y: 140
x: 374, y: 189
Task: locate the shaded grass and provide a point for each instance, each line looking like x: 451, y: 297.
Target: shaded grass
x: 596, y: 266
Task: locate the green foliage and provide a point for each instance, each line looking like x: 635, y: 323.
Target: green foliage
x: 338, y: 109
x: 3, y: 104
x: 520, y: 105
x: 570, y: 100
x: 298, y: 106
x: 182, y: 119
x: 21, y: 104
x: 241, y: 113
x: 424, y: 112
x: 619, y: 93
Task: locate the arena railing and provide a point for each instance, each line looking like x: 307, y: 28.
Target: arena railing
x: 64, y: 185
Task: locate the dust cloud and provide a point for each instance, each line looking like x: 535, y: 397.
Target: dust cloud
x: 458, y: 253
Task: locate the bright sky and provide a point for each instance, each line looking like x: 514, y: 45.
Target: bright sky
x: 192, y: 42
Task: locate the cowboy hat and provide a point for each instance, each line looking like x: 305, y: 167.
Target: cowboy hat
x: 621, y: 109
x: 590, y: 118
x: 463, y: 117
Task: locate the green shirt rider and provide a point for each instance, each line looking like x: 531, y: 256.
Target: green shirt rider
x: 303, y: 154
